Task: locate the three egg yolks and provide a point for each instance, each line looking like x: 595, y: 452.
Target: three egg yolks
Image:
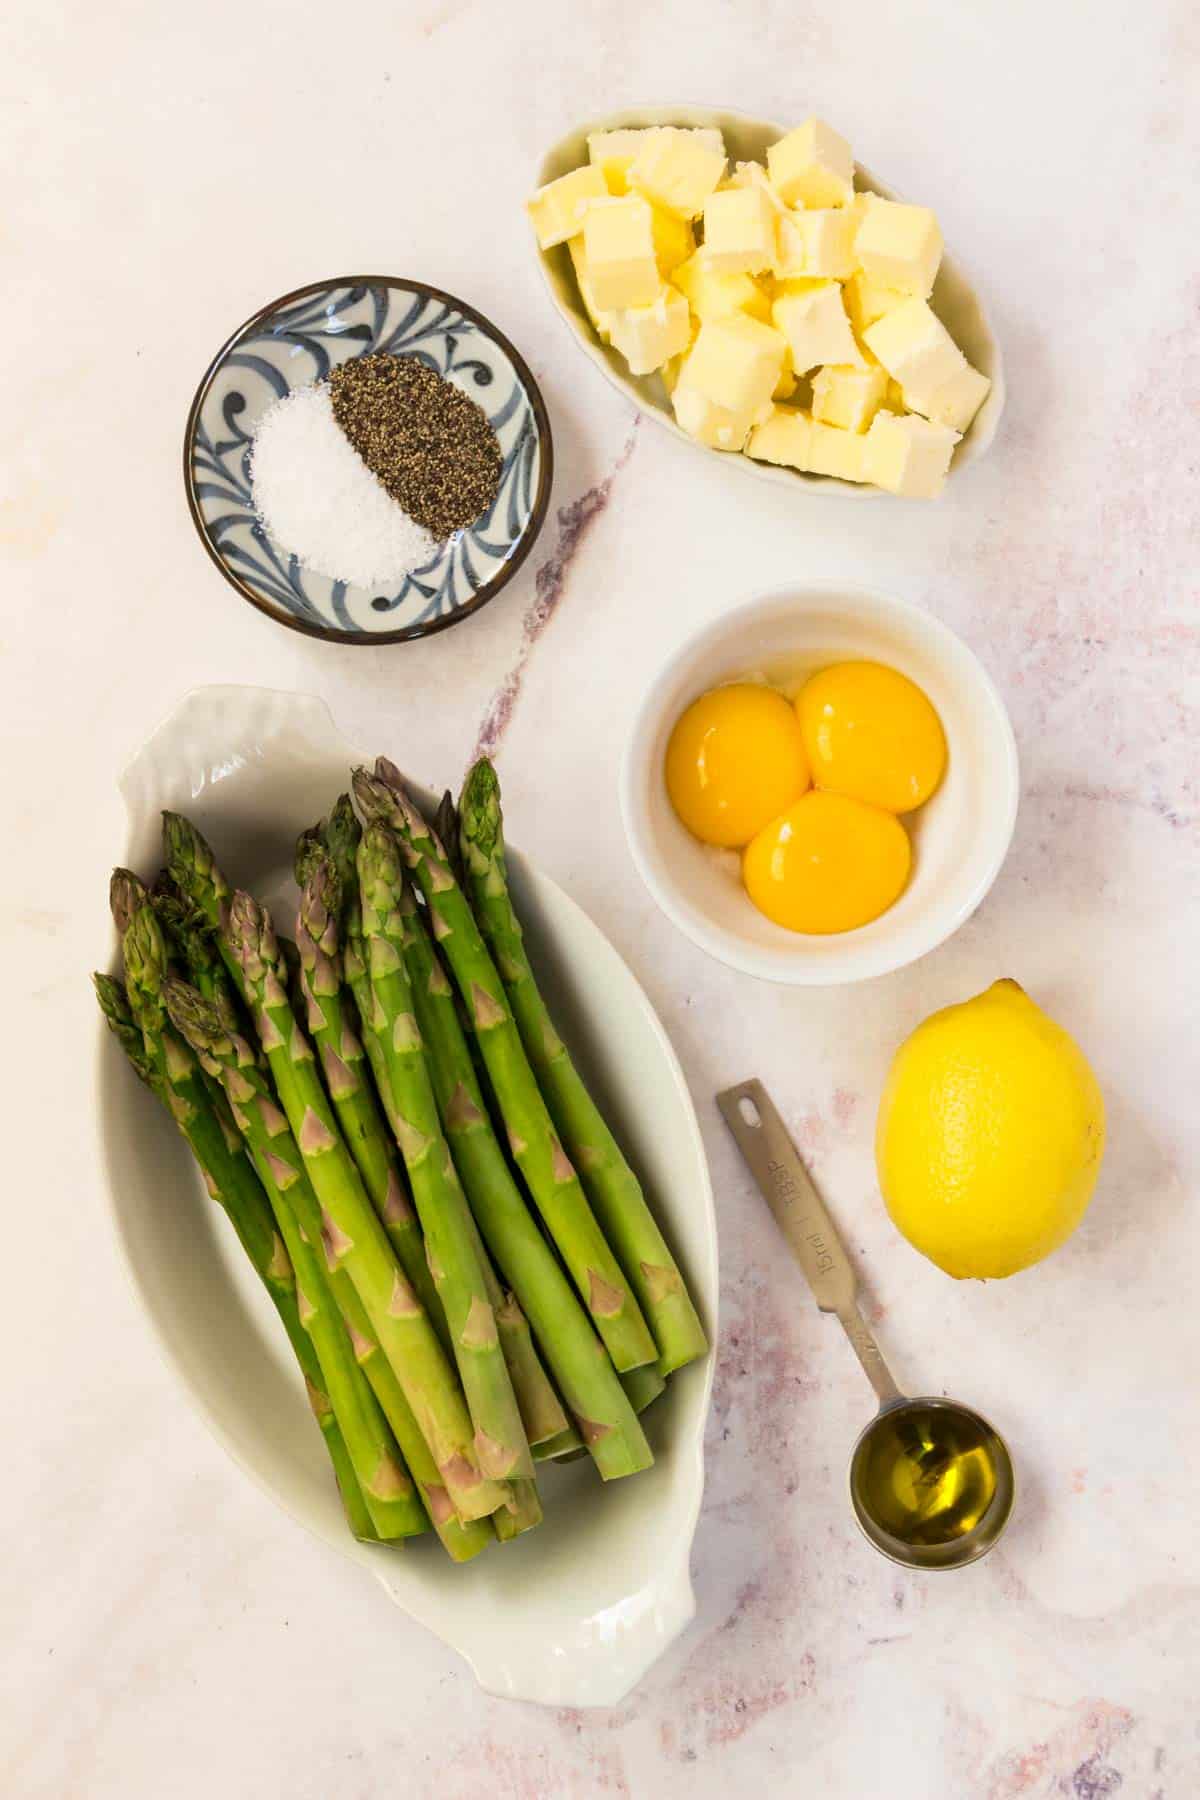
x: 810, y: 791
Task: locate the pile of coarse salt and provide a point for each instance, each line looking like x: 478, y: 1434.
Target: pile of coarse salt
x: 319, y: 501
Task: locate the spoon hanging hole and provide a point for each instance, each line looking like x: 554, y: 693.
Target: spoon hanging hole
x: 750, y: 1113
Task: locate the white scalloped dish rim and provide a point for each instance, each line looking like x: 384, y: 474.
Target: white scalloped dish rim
x: 954, y: 299
x: 574, y: 1613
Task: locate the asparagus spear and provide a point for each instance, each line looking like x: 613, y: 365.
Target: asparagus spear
x: 127, y: 894
x: 236, y: 1064
x: 567, y: 1445
x: 193, y: 942
x: 335, y: 841
x: 643, y: 1386
x: 589, y: 1384
x: 367, y: 1136
x: 354, y: 1237
x: 337, y: 838
x: 500, y: 1437
x: 233, y: 1184
x: 353, y: 1505
x: 387, y: 1491
x: 609, y: 1182
x: 394, y: 1308
x: 535, y: 1144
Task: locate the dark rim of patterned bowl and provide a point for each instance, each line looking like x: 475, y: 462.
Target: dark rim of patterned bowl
x: 482, y: 595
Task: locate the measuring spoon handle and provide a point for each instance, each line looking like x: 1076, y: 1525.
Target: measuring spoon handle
x: 786, y: 1185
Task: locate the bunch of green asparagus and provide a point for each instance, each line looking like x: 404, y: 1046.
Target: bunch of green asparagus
x: 464, y: 1262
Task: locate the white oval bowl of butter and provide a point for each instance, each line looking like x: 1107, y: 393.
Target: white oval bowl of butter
x: 894, y: 400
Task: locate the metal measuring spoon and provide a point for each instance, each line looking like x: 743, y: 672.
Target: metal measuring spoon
x: 931, y: 1482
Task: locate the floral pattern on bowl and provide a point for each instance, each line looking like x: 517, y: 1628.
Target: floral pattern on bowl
x: 299, y: 339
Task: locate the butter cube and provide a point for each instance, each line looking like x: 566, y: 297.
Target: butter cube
x: 955, y: 402
x: 908, y: 455
x: 900, y: 246
x: 739, y: 231
x: 914, y: 347
x: 618, y: 242
x: 814, y: 322
x: 865, y: 300
x: 782, y: 438
x: 863, y: 199
x: 832, y: 451
x: 583, y: 281
x: 753, y: 175
x: 674, y: 239
x: 818, y: 243
x: 678, y: 169
x: 612, y: 152
x: 848, y: 397
x: 735, y: 363
x: 714, y: 296
x: 648, y: 336
x: 704, y: 420
x: 673, y: 368
x: 812, y: 166
x: 557, y: 209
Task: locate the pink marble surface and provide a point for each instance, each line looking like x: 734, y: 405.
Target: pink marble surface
x: 165, y: 1631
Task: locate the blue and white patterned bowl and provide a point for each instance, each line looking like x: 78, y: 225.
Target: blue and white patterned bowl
x: 297, y: 340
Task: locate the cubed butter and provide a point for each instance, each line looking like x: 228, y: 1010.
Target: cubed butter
x: 814, y: 322
x: 848, y: 397
x: 678, y: 169
x: 908, y: 455
x: 736, y: 362
x: 782, y: 438
x: 955, y: 402
x: 914, y: 347
x: 739, y: 231
x: 832, y: 451
x: 866, y: 300
x: 858, y: 206
x: 557, y: 210
x: 703, y: 419
x: 672, y: 369
x: 818, y: 243
x: 753, y: 175
x: 674, y: 239
x: 648, y: 336
x: 618, y: 241
x: 900, y: 247
x: 583, y: 281
x: 714, y: 296
x: 612, y: 152
x: 812, y: 166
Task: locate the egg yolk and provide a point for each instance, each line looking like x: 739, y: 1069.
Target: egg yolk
x: 870, y: 732
x: 829, y: 863
x: 735, y: 760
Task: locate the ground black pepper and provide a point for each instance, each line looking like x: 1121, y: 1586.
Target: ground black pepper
x: 428, y: 443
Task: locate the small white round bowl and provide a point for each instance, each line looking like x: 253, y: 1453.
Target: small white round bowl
x: 960, y: 836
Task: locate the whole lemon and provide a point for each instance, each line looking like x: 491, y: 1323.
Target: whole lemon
x: 990, y: 1135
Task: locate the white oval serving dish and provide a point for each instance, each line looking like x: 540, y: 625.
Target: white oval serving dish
x: 960, y: 836
x: 576, y: 1612
x: 954, y: 298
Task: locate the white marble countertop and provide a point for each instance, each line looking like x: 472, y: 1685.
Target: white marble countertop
x: 165, y: 1630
